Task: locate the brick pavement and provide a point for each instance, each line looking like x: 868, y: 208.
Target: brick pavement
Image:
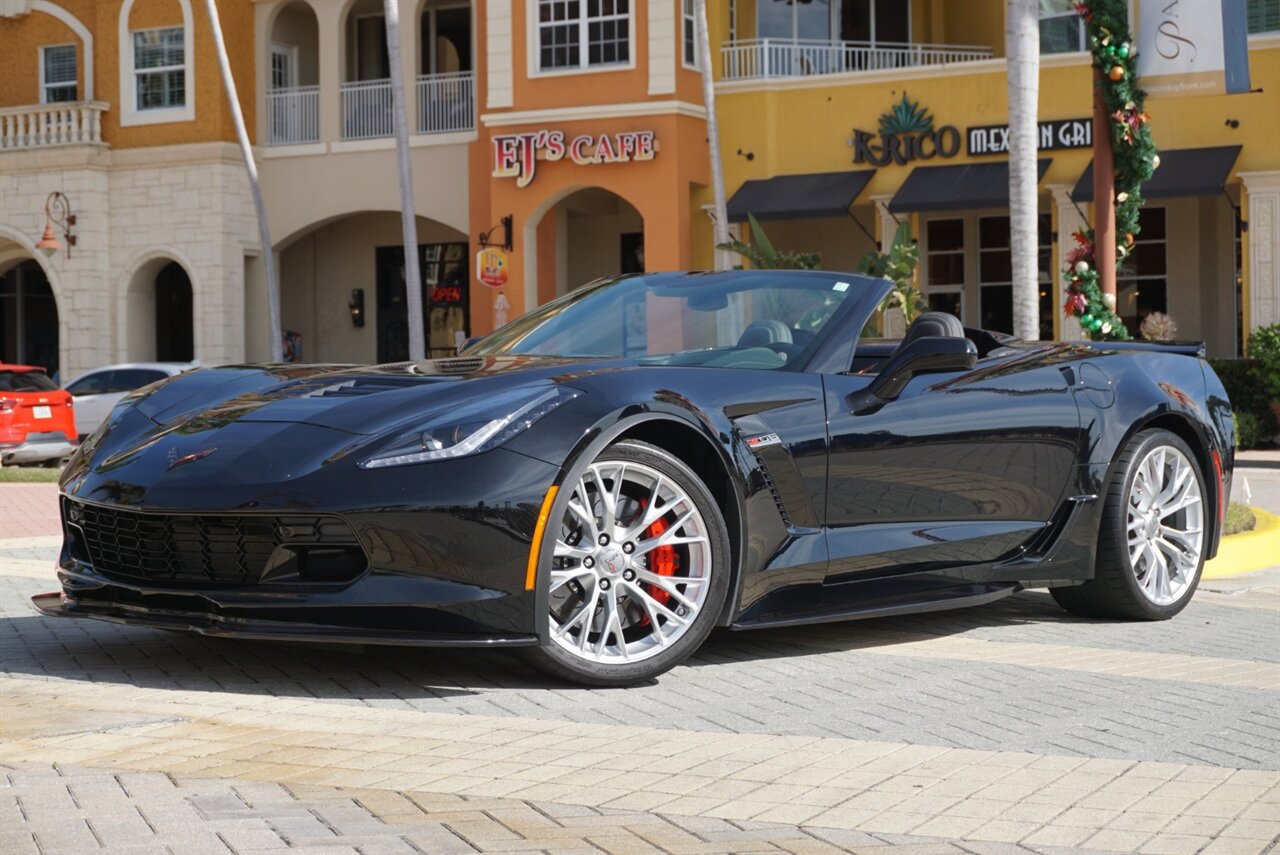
x: 1008, y: 728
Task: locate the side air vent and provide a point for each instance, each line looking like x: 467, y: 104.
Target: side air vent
x: 773, y: 490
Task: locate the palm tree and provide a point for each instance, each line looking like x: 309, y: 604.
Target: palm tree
x: 255, y: 189
x: 1022, y: 40
x: 408, y: 219
x: 720, y: 212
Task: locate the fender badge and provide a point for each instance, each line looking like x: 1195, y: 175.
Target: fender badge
x: 763, y: 440
x: 175, y: 461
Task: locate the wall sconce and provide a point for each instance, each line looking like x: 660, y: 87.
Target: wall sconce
x: 57, y: 211
x: 356, y: 307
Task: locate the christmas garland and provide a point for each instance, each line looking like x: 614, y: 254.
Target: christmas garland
x: 1107, y: 22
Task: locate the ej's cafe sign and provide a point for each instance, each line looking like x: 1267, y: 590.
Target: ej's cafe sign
x: 517, y: 155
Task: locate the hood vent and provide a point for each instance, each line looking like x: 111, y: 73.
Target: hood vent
x: 357, y: 387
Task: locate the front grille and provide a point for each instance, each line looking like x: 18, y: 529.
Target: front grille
x: 203, y: 549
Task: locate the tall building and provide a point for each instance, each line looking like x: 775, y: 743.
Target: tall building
x: 574, y: 132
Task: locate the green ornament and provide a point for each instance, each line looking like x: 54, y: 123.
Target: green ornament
x: 1095, y: 325
x: 1086, y: 319
x: 1124, y: 50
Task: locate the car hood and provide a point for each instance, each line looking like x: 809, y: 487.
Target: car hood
x: 359, y: 400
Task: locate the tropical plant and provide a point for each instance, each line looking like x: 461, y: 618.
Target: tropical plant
x: 408, y: 218
x: 1022, y: 40
x: 274, y: 333
x: 906, y: 117
x: 899, y: 266
x: 762, y: 254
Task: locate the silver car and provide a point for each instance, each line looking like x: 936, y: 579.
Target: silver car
x: 97, y: 392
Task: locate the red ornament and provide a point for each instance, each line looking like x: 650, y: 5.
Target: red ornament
x: 1083, y: 10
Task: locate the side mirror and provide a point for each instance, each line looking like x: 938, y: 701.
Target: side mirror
x: 927, y: 355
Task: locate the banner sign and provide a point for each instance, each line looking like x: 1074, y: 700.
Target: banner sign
x: 1060, y: 133
x: 1192, y: 47
x: 492, y: 266
x: 517, y: 155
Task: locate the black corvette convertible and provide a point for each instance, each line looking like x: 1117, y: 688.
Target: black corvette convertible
x: 606, y: 479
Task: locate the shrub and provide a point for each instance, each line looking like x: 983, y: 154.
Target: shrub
x: 1264, y: 347
x: 1246, y: 386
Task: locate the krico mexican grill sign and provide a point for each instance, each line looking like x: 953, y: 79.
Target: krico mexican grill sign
x: 517, y: 155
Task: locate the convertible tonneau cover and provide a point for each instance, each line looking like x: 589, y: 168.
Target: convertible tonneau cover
x: 1190, y: 348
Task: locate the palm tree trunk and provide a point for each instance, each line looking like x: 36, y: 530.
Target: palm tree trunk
x: 1022, y: 40
x: 409, y: 220
x: 722, y: 257
x: 255, y: 189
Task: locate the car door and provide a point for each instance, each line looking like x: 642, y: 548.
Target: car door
x: 962, y: 468
x: 91, y: 400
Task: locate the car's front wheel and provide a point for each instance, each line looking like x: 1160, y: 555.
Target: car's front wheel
x: 639, y: 572
x: 1151, y: 544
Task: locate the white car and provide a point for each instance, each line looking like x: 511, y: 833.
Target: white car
x: 97, y: 392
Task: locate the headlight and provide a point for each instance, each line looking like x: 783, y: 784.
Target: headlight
x: 478, y: 426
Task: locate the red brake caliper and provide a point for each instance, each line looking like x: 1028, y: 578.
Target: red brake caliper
x: 663, y: 560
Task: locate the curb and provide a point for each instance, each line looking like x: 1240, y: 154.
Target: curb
x: 1248, y: 551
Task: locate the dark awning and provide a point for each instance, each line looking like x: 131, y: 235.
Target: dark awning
x: 798, y: 197
x: 1184, y: 172
x: 965, y: 187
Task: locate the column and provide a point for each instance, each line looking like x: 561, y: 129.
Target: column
x: 1262, y: 274
x: 332, y: 56
x: 1068, y: 219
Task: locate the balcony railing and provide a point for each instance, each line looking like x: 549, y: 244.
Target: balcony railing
x: 769, y: 58
x: 47, y: 125
x: 293, y: 115
x: 446, y: 103
x: 366, y: 110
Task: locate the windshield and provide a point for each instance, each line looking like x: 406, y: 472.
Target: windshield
x: 740, y: 319
x: 26, y: 381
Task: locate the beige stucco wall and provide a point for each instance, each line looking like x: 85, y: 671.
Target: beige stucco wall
x: 319, y: 270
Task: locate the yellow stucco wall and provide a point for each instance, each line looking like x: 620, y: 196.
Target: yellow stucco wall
x: 19, y: 64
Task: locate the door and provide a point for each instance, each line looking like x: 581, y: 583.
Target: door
x: 962, y: 469
x: 284, y: 110
x: 91, y: 400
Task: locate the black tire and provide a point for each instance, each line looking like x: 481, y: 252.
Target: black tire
x: 1114, y: 591
x: 557, y: 662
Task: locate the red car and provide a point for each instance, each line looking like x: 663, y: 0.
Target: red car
x: 37, y: 422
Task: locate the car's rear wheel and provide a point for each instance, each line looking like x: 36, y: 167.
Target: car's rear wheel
x: 1151, y: 544
x: 639, y: 572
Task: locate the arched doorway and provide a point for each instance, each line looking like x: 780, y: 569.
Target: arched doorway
x: 160, y: 313
x: 586, y: 235
x: 28, y: 315
x: 343, y: 295
x: 175, y: 339
x: 293, y: 76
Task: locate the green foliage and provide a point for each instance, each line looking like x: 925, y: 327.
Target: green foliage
x: 28, y: 474
x: 1246, y: 384
x: 1264, y: 346
x: 899, y: 266
x: 763, y: 256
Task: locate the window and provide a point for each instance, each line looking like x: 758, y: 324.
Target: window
x: 944, y: 258
x: 1061, y: 27
x: 565, y: 26
x: 690, y: 34
x: 128, y: 379
x: 995, y: 276
x: 1263, y: 15
x: 733, y: 20
x: 159, y: 58
x: 284, y: 66
x: 57, y: 74
x: 90, y: 384
x: 1142, y: 286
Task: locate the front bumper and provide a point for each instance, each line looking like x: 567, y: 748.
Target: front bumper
x: 58, y: 604
x: 446, y: 544
x: 37, y: 451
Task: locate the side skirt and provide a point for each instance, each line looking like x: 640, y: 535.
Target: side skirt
x: 940, y: 600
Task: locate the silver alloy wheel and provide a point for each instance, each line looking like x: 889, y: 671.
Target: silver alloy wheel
x: 608, y: 604
x: 1165, y: 526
